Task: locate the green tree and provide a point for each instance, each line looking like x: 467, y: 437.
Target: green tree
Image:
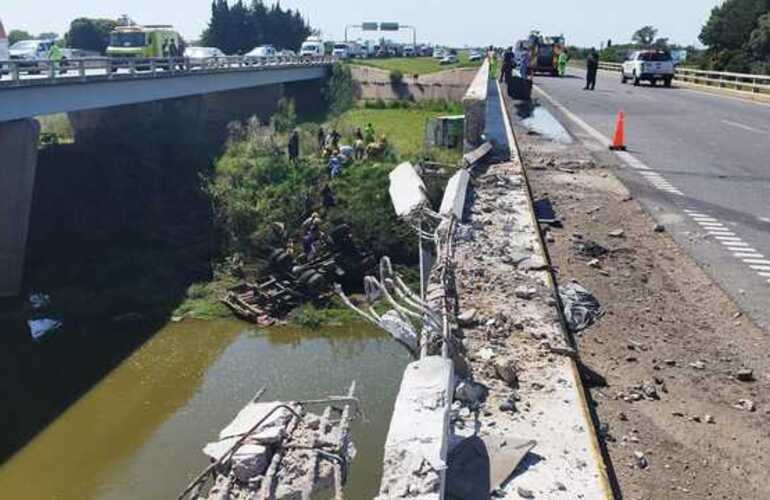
x: 285, y: 118
x: 661, y: 44
x: 340, y: 90
x: 645, y: 35
x: 736, y: 34
x: 90, y: 34
x: 239, y: 28
x: 18, y: 35
x: 759, y: 40
x: 48, y: 35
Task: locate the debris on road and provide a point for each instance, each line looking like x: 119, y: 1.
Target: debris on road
x: 581, y: 309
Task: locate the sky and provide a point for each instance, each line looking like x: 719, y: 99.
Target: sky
x: 446, y: 22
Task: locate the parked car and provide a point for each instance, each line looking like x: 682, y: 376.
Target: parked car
x: 475, y: 55
x: 449, y: 59
x: 409, y: 51
x: 439, y: 53
x: 4, y: 54
x: 649, y: 65
x: 29, y: 54
x: 289, y: 54
x: 262, y: 52
x: 207, y: 56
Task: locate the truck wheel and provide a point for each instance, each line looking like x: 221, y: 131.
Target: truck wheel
x: 623, y: 78
x: 653, y: 82
x: 667, y: 82
x: 636, y: 80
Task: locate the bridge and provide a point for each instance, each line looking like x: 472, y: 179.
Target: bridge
x: 89, y: 85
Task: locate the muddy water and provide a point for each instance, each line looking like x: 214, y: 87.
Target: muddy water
x: 138, y: 431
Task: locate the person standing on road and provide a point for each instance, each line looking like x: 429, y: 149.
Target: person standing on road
x: 592, y: 67
x: 55, y: 56
x: 562, y: 62
x: 505, y: 71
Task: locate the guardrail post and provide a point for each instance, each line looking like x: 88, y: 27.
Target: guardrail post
x: 15, y: 71
x: 82, y: 69
x: 132, y: 67
x: 51, y: 69
x: 153, y: 68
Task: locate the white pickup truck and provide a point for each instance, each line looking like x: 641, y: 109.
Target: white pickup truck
x: 649, y: 65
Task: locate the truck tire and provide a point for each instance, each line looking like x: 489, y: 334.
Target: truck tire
x: 667, y: 82
x: 623, y: 78
x: 653, y: 82
x: 636, y: 80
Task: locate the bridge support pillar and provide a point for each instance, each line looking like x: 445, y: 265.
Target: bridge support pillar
x: 18, y: 162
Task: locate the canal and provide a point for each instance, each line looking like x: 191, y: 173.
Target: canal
x: 121, y: 412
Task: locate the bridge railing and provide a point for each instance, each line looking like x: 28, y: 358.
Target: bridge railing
x: 36, y: 72
x: 743, y: 82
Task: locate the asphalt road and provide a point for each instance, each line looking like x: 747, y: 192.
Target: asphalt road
x: 698, y: 162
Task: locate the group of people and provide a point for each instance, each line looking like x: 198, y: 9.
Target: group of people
x: 522, y: 64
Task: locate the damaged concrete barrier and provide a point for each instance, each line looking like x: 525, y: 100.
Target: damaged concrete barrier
x: 416, y: 449
x: 475, y: 106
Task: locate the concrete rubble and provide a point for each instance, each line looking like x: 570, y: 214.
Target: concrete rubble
x: 279, y: 451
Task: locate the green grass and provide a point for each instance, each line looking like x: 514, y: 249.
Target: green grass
x: 404, y: 129
x: 417, y: 65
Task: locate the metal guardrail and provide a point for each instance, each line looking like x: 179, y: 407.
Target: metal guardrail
x: 46, y: 72
x: 743, y: 82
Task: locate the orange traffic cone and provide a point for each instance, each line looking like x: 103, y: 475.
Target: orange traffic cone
x: 618, y: 141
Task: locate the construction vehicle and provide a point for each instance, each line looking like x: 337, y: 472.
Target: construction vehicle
x: 544, y: 52
x: 145, y: 42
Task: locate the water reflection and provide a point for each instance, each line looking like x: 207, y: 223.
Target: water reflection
x: 138, y: 433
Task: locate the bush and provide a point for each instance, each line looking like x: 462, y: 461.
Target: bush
x: 396, y: 77
x: 340, y: 90
x: 285, y: 118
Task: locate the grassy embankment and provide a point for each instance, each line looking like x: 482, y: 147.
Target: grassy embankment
x: 417, y: 65
x: 253, y: 186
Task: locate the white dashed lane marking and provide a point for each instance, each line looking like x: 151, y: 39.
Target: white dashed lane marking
x: 737, y: 247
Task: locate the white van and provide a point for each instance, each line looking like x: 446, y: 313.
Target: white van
x: 312, y: 47
x: 4, y: 54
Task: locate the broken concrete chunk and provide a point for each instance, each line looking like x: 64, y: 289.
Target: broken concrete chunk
x: 525, y: 493
x: 249, y: 461
x: 525, y: 292
x: 640, y: 460
x: 467, y: 318
x: 745, y: 375
x: 534, y: 263
x: 617, y: 233
x: 507, y: 371
x: 746, y: 405
x: 471, y: 393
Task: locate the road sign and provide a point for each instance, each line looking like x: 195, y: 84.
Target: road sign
x: 389, y: 27
x: 369, y: 26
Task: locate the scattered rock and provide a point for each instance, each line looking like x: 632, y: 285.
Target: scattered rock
x: 709, y: 419
x: 640, y: 459
x: 525, y: 493
x: 525, y: 292
x: 745, y: 375
x: 467, y: 318
x: 698, y: 365
x: 560, y: 486
x: 659, y: 228
x: 471, y: 393
x: 617, y: 233
x: 534, y: 263
x: 507, y: 371
x: 745, y: 405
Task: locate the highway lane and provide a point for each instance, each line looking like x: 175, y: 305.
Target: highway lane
x: 699, y: 162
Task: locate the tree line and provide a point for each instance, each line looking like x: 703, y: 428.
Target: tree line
x: 238, y: 28
x: 737, y: 35
x: 235, y: 29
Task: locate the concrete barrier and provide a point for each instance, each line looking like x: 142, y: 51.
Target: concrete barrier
x: 475, y: 105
